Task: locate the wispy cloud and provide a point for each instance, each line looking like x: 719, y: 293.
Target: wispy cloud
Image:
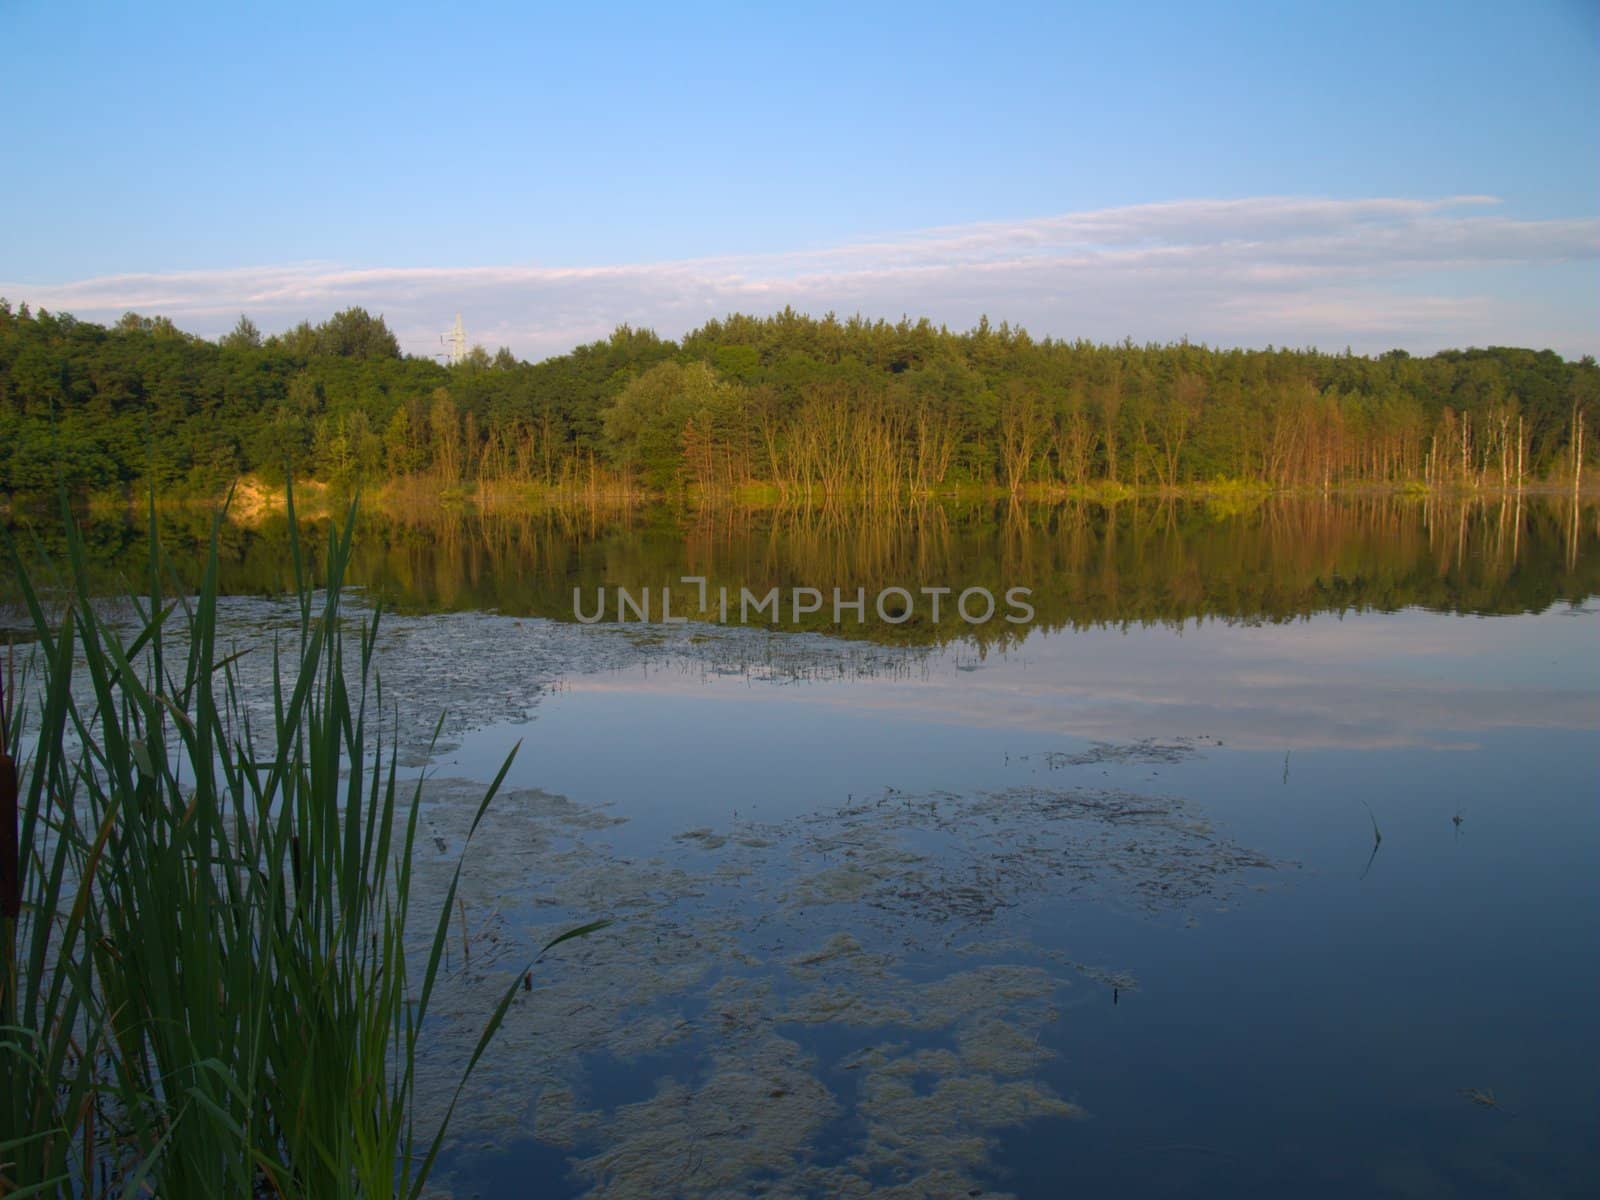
x: 1371, y: 273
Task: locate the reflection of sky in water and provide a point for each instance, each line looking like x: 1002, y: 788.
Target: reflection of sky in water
x: 1314, y: 1039
x: 1356, y: 682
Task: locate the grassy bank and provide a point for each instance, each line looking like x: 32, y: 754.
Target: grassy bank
x: 255, y: 500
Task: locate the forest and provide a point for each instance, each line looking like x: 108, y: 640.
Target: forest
x: 805, y: 407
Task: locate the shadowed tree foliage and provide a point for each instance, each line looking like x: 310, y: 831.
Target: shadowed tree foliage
x: 813, y: 407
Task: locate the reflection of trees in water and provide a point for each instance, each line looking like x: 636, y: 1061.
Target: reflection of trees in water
x: 1086, y: 563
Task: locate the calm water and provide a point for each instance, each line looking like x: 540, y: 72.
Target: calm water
x: 1096, y: 906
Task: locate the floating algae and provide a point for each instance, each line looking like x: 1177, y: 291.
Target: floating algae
x: 755, y: 1112
x: 937, y: 1141
x: 704, y: 838
x: 968, y: 858
x: 836, y: 885
x: 929, y: 1114
x: 751, y: 1122
x: 1144, y: 752
x: 679, y: 1051
x: 841, y: 948
x: 460, y: 671
x: 998, y: 1047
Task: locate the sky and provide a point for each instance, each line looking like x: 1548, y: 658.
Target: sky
x: 1364, y: 175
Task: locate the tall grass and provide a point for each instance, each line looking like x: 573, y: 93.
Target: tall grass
x: 205, y: 990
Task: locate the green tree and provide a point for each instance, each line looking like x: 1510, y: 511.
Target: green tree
x: 244, y: 336
x: 355, y: 333
x: 647, y: 421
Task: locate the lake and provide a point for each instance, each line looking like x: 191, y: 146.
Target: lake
x: 1261, y: 861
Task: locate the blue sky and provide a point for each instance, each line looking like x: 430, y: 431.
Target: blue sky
x: 552, y: 171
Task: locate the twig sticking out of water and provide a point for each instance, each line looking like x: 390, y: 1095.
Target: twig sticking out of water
x: 1377, y: 838
x: 1286, y: 766
x: 1484, y: 1098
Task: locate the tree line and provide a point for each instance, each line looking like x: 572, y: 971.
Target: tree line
x: 811, y: 407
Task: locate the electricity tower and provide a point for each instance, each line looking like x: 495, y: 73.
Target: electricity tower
x: 456, y: 341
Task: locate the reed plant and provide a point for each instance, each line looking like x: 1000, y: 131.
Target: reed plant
x: 207, y: 988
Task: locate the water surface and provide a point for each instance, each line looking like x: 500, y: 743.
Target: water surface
x: 1099, y: 904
